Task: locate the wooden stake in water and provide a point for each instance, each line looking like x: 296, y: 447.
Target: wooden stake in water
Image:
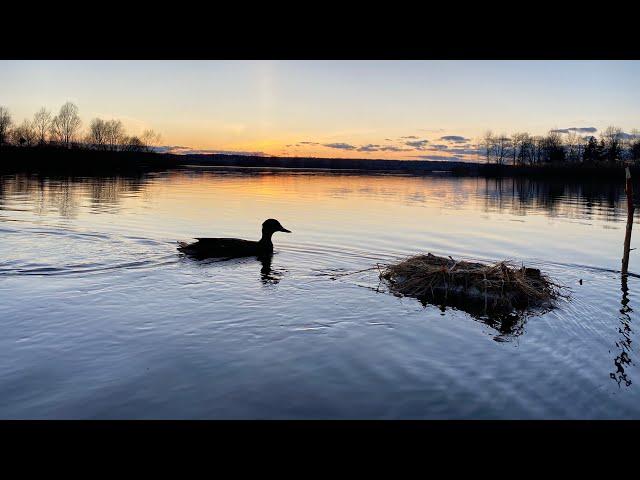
x: 627, y: 237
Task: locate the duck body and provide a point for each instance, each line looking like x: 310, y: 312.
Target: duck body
x: 226, y: 247
x: 234, y: 247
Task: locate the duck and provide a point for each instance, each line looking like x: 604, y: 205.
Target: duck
x: 234, y: 247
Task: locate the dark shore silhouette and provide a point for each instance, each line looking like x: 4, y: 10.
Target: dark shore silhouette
x: 52, y: 159
x: 550, y: 170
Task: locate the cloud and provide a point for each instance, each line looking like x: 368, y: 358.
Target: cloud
x: 439, y: 158
x: 464, y: 151
x: 369, y: 148
x: 340, y: 146
x: 452, y: 154
x: 382, y: 148
x: 629, y: 136
x: 392, y: 148
x: 454, y: 139
x: 167, y: 148
x: 417, y: 144
x: 575, y: 130
x: 180, y: 150
x: 409, y: 136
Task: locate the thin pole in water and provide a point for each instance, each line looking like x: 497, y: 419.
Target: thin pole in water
x: 627, y: 238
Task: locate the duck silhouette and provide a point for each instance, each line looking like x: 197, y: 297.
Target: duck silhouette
x: 234, y: 247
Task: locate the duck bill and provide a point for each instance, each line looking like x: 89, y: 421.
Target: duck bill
x: 285, y: 230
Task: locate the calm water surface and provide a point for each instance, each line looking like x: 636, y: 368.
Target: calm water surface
x: 101, y: 318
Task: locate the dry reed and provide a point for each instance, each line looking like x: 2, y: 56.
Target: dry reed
x: 502, y: 286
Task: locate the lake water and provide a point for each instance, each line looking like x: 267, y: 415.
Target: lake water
x: 101, y: 318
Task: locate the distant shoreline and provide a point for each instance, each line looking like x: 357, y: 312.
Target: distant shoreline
x: 49, y: 160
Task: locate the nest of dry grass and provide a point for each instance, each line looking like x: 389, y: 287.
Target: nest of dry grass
x: 502, y: 286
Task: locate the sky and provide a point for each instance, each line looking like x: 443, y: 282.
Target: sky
x: 352, y: 109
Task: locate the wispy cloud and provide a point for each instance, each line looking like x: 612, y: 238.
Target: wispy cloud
x: 382, y: 148
x: 340, y: 146
x: 454, y: 139
x: 417, y: 144
x: 369, y: 148
x: 575, y: 130
x: 439, y: 158
x: 180, y: 150
x: 629, y: 136
x: 464, y: 151
x: 393, y: 148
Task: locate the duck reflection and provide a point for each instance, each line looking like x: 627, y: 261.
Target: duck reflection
x: 624, y: 343
x: 268, y: 276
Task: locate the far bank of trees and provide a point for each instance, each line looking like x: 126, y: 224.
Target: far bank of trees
x: 612, y: 146
x: 65, y: 130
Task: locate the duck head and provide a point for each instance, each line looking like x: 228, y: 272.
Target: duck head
x: 270, y: 226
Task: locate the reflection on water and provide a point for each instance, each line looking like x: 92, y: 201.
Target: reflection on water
x: 507, y: 325
x: 268, y: 276
x: 102, y: 318
x: 522, y: 195
x: 63, y: 194
x: 624, y: 343
x: 516, y: 195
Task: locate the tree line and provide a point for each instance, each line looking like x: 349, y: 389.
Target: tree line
x: 568, y: 146
x: 65, y: 130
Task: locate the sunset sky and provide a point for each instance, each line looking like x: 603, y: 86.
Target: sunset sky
x: 353, y: 109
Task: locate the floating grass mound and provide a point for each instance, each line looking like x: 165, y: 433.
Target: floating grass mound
x: 498, y: 288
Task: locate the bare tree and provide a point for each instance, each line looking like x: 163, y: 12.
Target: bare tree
x: 612, y: 137
x: 150, y: 139
x: 97, y: 136
x: 537, y: 149
x: 5, y: 124
x: 115, y: 134
x: 65, y: 126
x: 488, y: 141
x: 24, y: 134
x: 41, y: 124
x: 520, y: 144
x: 502, y: 148
x: 553, y: 148
x: 133, y: 144
x: 574, y: 146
